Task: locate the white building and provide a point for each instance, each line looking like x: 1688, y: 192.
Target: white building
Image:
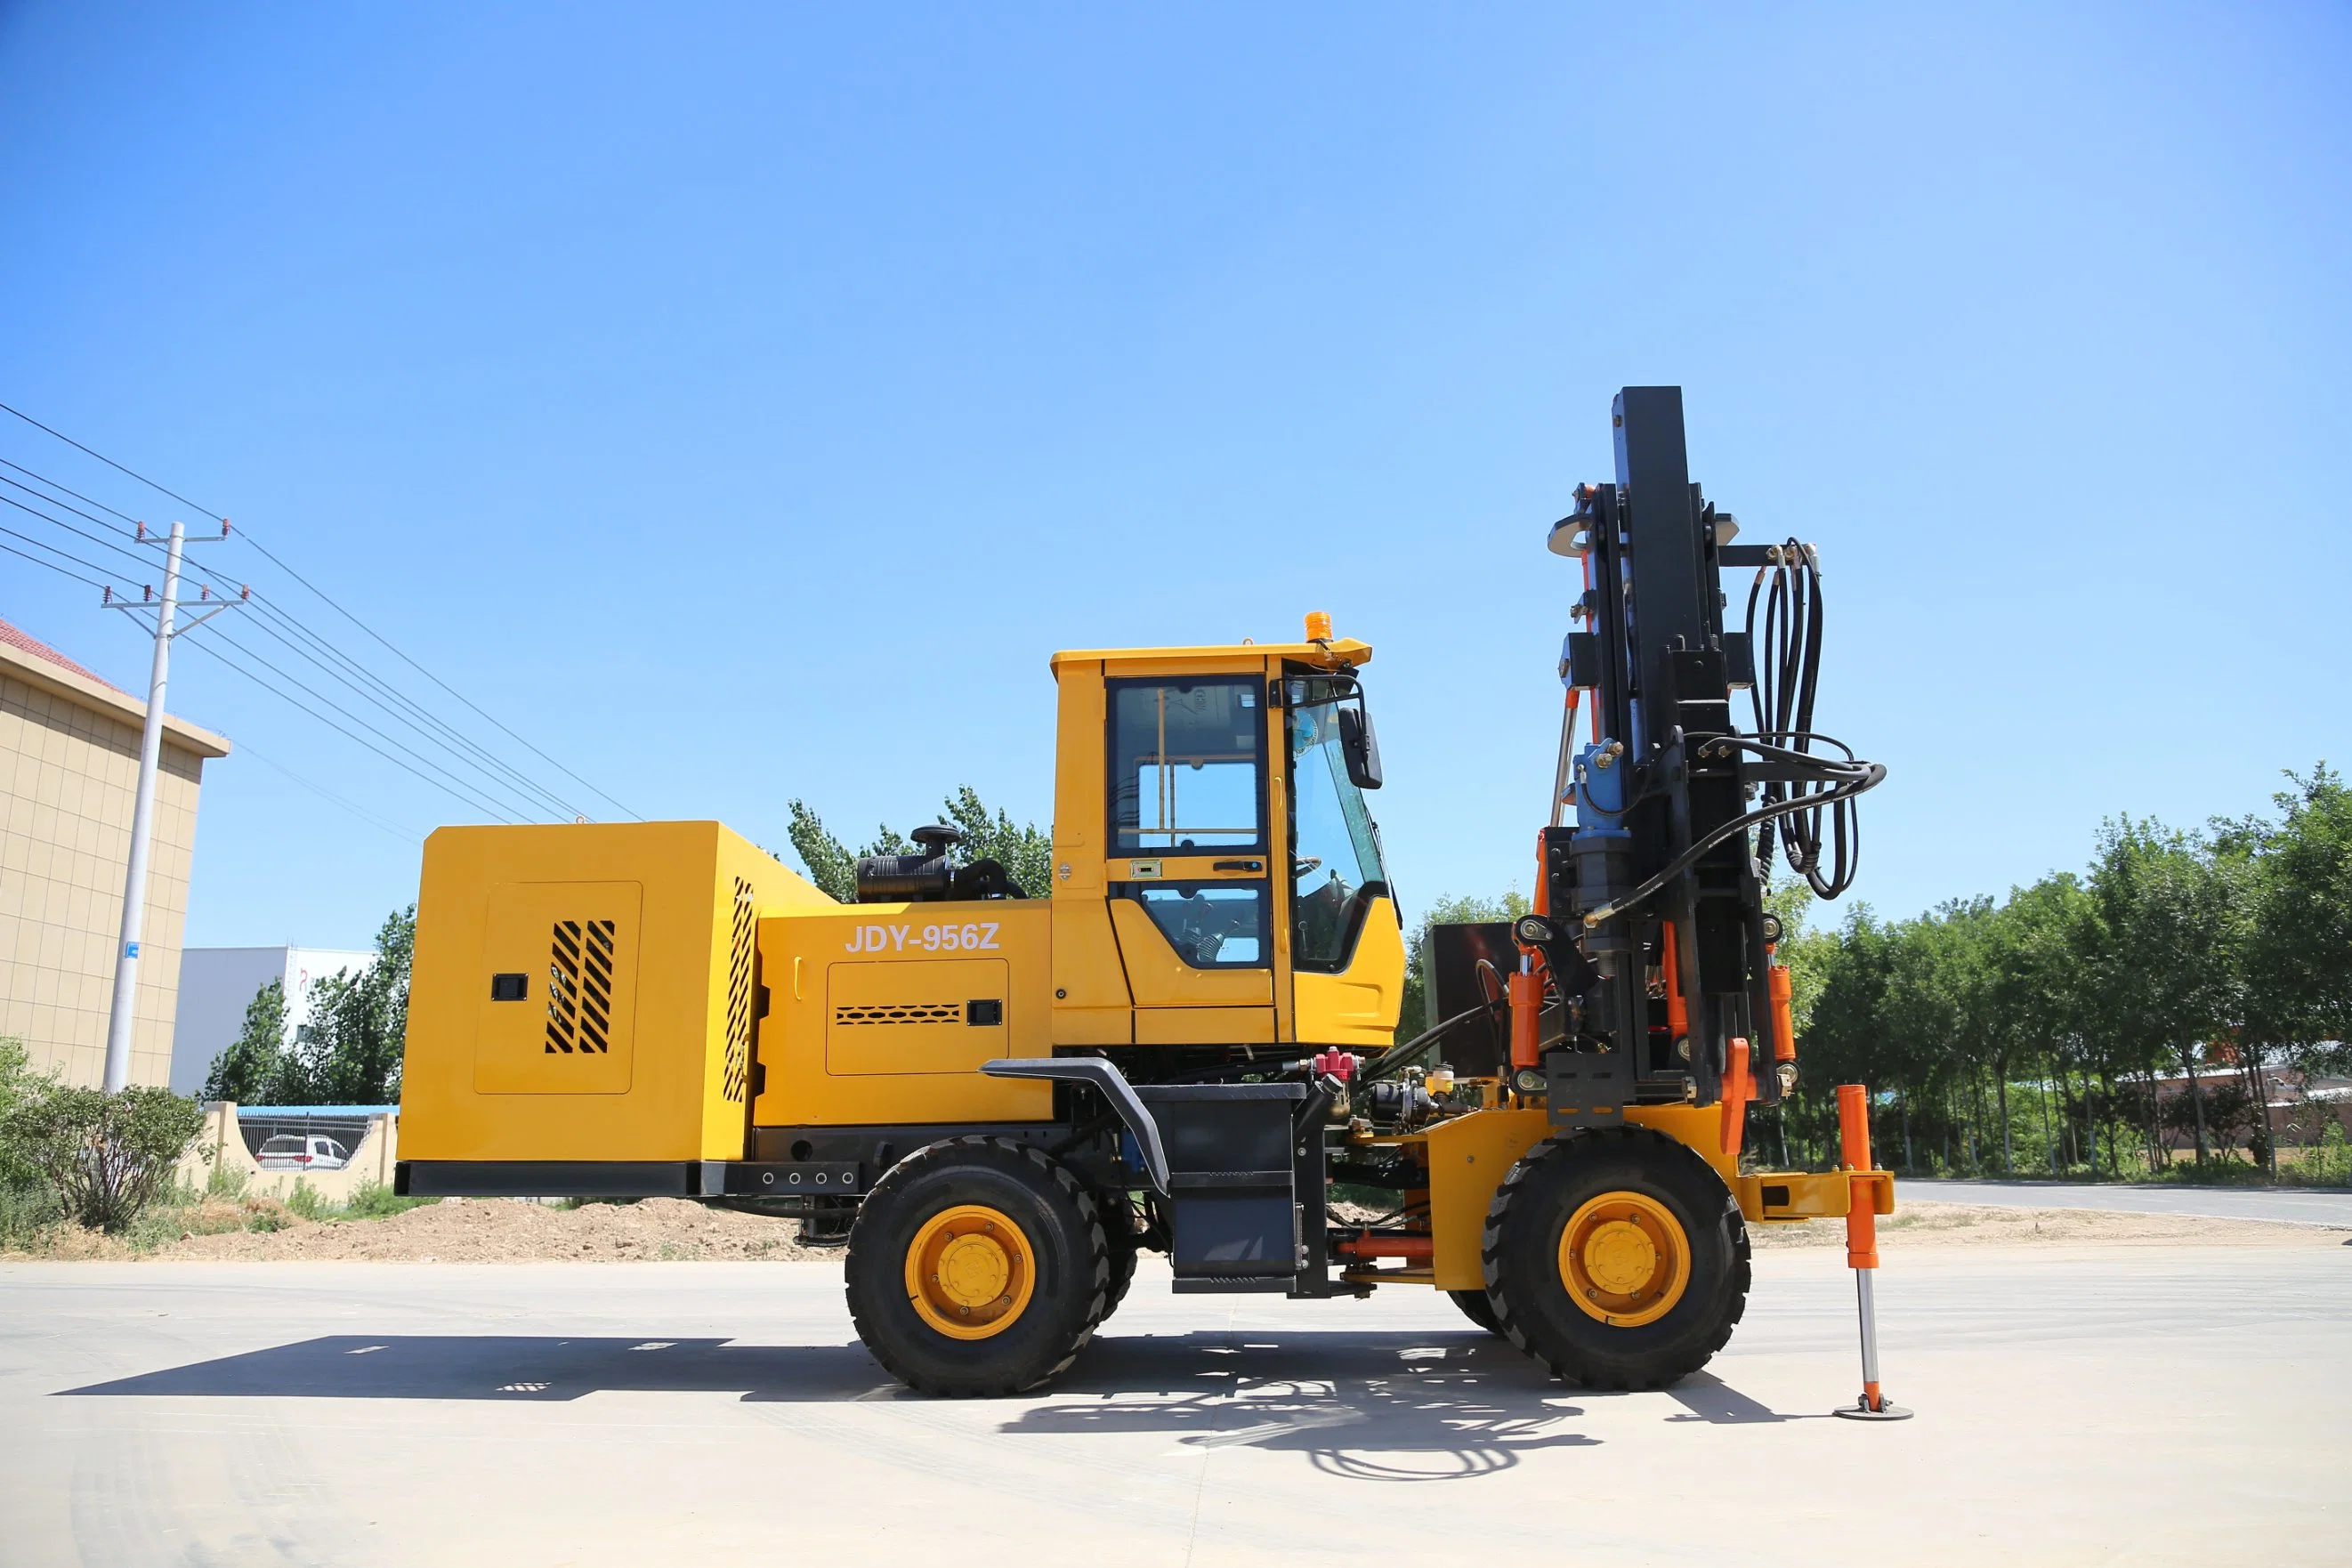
x: 217, y: 985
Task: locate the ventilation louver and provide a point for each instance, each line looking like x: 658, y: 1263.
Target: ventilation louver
x: 580, y: 989
x: 742, y: 929
x: 902, y: 1013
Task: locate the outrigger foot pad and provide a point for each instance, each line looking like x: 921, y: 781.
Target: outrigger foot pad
x: 1860, y: 1410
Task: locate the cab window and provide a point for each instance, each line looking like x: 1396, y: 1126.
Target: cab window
x: 1187, y: 766
x: 1335, y: 857
x: 1212, y: 925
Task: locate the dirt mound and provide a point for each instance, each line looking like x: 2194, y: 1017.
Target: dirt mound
x: 1970, y: 1224
x: 498, y: 1230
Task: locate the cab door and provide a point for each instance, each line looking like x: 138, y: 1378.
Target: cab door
x: 1346, y: 948
x: 1189, y: 848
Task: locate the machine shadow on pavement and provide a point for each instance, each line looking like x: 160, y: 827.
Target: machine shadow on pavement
x: 1401, y: 1406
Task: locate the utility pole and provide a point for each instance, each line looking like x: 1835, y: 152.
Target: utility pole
x: 142, y: 812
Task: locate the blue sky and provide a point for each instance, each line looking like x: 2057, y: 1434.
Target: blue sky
x: 742, y: 402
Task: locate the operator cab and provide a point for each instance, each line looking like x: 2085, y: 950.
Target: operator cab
x: 1218, y: 880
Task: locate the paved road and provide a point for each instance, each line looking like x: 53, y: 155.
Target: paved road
x: 2215, y: 1202
x: 2127, y: 1404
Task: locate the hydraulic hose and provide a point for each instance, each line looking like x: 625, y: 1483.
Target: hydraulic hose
x: 1853, y: 779
x: 1787, y: 653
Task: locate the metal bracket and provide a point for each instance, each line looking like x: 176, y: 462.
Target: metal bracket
x: 1112, y: 1084
x: 1586, y: 1089
x: 756, y: 1179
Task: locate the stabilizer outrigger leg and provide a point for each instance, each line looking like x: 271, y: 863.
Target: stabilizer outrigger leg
x: 1861, y: 1251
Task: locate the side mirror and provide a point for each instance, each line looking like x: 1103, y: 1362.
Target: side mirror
x: 1361, y: 746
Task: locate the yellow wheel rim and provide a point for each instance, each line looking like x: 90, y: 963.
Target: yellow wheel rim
x: 970, y: 1272
x: 1624, y: 1259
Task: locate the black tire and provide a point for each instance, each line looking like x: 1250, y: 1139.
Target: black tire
x: 1477, y: 1308
x: 1522, y: 1253
x: 1064, y: 1239
x: 1124, y: 1241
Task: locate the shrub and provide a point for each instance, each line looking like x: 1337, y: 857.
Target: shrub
x: 25, y: 1212
x: 2326, y: 1164
x: 104, y: 1155
x: 18, y: 1083
x: 374, y: 1200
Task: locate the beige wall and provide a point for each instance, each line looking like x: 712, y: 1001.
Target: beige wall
x: 223, y: 1142
x: 68, y: 770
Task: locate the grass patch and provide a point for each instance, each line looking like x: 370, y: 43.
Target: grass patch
x: 374, y: 1200
x: 32, y: 1224
x: 2218, y: 1171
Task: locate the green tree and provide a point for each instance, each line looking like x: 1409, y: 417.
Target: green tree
x: 350, y: 1049
x: 1027, y: 852
x: 2031, y: 1000
x: 1943, y: 1012
x: 248, y: 1071
x: 2298, y: 951
x: 2172, y: 920
x: 1842, y: 1035
x: 1412, y: 1010
x: 830, y: 865
x: 359, y: 1025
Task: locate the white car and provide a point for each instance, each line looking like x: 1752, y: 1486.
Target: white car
x: 294, y: 1151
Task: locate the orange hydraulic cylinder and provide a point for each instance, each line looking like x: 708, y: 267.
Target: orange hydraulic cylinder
x: 1738, y: 1087
x: 1854, y: 1149
x: 1419, y: 1248
x: 1670, y: 971
x: 1784, y: 1020
x: 1526, y: 992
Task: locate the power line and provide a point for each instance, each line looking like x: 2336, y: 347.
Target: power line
x: 520, y: 783
x: 205, y: 647
x: 112, y: 463
x: 490, y: 785
x: 267, y: 554
x: 143, y: 562
x: 76, y: 495
x: 272, y: 611
x: 70, y: 528
x: 315, y: 789
x: 95, y: 582
x: 405, y: 836
x: 53, y: 565
x: 431, y: 677
x: 54, y: 551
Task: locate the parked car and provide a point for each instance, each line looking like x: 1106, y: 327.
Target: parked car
x: 294, y: 1151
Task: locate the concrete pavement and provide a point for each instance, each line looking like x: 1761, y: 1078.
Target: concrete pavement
x: 2291, y: 1204
x: 2076, y: 1406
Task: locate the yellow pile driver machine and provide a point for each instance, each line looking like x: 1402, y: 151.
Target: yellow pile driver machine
x: 1187, y: 1041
